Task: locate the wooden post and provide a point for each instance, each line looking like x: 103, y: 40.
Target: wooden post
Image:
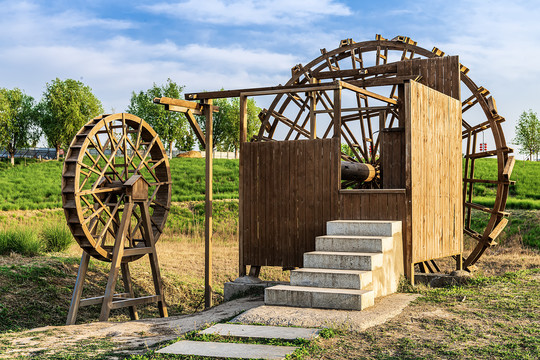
x: 77, y: 292
x: 337, y: 113
x: 459, y: 262
x: 243, y: 139
x: 208, y: 207
x: 312, y: 114
x: 118, y: 252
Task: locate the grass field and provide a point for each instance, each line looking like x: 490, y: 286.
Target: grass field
x: 495, y: 316
x: 36, y: 185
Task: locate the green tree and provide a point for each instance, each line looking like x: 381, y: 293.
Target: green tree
x: 171, y: 126
x: 18, y: 126
x: 227, y: 123
x: 66, y: 106
x: 528, y: 133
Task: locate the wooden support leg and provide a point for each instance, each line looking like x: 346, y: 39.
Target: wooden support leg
x: 255, y: 271
x: 77, y: 291
x: 118, y: 252
x: 126, y: 278
x: 459, y: 262
x: 154, y: 264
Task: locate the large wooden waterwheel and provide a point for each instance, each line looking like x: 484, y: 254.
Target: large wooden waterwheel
x: 116, y: 193
x: 375, y: 62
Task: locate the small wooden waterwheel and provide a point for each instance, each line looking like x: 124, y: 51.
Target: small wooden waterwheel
x: 116, y: 193
x: 378, y: 64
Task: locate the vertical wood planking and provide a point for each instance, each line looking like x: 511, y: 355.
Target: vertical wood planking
x: 290, y: 191
x: 301, y: 200
x: 285, y: 216
x: 435, y: 166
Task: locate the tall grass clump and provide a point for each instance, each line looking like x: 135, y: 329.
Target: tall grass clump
x: 21, y: 241
x: 56, y: 237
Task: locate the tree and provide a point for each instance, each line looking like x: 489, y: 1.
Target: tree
x: 528, y: 133
x: 17, y: 121
x: 227, y: 123
x: 171, y: 126
x: 66, y: 106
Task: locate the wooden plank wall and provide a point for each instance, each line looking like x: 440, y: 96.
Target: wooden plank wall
x: 393, y: 158
x: 372, y: 204
x: 434, y: 145
x: 289, y: 192
x: 440, y: 73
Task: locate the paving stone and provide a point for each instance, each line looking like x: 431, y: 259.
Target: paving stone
x: 227, y: 350
x: 265, y: 332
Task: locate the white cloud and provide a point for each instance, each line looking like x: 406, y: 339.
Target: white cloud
x: 26, y: 22
x: 115, y: 67
x: 252, y: 12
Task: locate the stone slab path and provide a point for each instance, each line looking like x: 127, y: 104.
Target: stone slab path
x: 226, y: 350
x: 262, y: 332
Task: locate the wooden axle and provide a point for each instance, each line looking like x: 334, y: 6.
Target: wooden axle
x: 357, y: 171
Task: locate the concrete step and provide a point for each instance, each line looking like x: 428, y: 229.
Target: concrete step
x: 332, y: 278
x: 313, y: 297
x: 350, y: 243
x: 343, y: 260
x: 363, y: 227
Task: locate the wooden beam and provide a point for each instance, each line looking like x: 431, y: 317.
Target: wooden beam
x: 337, y: 114
x: 384, y: 81
x: 374, y: 109
x: 368, y: 93
x: 198, y: 108
x: 208, y: 209
x: 372, y: 70
x: 295, y: 88
x: 195, y: 127
x: 269, y: 90
x: 312, y: 114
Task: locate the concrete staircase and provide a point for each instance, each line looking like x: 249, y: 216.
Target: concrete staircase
x: 356, y: 262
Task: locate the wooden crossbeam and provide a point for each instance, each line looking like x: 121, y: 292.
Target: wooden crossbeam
x: 365, y: 92
x: 180, y: 105
x: 268, y: 90
x: 390, y: 68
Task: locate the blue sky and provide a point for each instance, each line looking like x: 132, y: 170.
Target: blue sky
x: 121, y: 46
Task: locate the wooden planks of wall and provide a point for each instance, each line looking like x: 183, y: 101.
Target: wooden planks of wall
x: 434, y: 145
x: 290, y: 190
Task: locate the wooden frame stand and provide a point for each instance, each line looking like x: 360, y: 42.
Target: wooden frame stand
x: 119, y: 262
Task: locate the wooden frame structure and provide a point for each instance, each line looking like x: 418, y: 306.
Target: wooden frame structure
x: 298, y: 185
x: 116, y: 191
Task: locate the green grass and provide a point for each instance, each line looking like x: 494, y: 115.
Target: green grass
x: 37, y: 185
x: 489, y: 318
x: 33, y: 294
x: 188, y: 179
x: 524, y: 194
x: 32, y: 186
x: 20, y: 240
x: 56, y: 237
x: 522, y: 224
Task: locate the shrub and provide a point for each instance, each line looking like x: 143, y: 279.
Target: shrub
x: 19, y: 240
x: 56, y: 237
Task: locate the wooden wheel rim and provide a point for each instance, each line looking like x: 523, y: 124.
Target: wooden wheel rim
x: 382, y: 48
x: 92, y: 179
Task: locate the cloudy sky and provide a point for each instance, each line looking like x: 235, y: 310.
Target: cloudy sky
x: 117, y: 47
